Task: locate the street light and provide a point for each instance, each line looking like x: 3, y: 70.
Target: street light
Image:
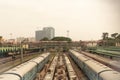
x: 67, y: 33
x: 21, y: 50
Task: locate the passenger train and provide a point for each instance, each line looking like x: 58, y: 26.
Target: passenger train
x: 93, y: 69
x: 27, y: 70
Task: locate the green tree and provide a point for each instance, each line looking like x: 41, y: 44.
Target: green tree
x: 1, y: 40
x: 114, y: 35
x: 105, y: 36
x: 118, y: 38
x: 44, y: 39
x: 61, y: 39
x: 111, y: 41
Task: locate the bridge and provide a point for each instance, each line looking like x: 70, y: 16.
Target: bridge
x: 53, y: 44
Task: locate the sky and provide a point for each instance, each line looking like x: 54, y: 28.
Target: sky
x: 85, y: 19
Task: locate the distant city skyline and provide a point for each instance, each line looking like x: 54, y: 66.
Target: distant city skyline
x: 84, y: 19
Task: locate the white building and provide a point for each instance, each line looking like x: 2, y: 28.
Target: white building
x: 117, y: 44
x: 11, y: 41
x: 91, y: 43
x: 28, y: 39
x: 31, y: 39
x: 20, y: 39
x: 47, y: 32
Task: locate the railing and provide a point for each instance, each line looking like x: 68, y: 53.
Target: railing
x: 106, y: 51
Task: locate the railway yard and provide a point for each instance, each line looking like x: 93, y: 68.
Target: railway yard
x: 60, y: 40
x: 61, y: 67
x: 72, y: 65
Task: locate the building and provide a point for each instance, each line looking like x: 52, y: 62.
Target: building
x: 39, y: 35
x: 28, y: 39
x: 20, y: 39
x: 11, y: 41
x: 117, y: 44
x: 31, y: 39
x: 47, y: 32
x: 90, y: 43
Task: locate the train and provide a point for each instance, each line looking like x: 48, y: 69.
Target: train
x: 27, y: 70
x: 10, y: 51
x: 93, y: 69
x: 7, y: 51
x: 111, y: 63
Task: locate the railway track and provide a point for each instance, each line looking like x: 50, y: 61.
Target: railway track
x: 51, y: 70
x: 62, y: 67
x: 79, y: 73
x: 61, y: 71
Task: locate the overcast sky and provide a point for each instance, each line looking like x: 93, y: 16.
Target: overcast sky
x: 85, y: 19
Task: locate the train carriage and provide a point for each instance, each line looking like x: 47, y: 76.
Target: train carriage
x: 27, y: 70
x: 9, y: 77
x: 93, y: 69
x: 109, y: 75
x: 41, y: 60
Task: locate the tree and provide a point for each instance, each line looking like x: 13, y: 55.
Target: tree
x: 44, y: 39
x: 105, y: 36
x: 110, y: 41
x: 114, y: 35
x: 1, y: 38
x: 61, y: 39
x: 118, y: 38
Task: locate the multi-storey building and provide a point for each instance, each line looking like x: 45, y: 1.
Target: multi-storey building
x: 47, y: 32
